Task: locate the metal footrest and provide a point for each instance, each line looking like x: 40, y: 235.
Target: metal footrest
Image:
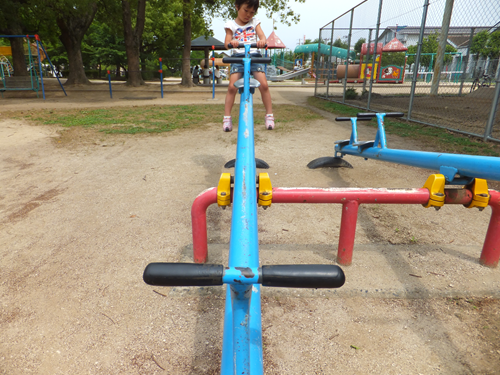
x: 342, y: 143
x: 241, y: 82
x: 362, y: 145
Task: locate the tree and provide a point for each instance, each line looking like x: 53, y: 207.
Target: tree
x: 486, y: 44
x: 73, y: 17
x: 358, y: 45
x: 11, y: 23
x: 429, y: 47
x: 133, y: 39
x: 493, y: 45
x: 478, y: 46
x: 340, y: 44
x: 104, y: 46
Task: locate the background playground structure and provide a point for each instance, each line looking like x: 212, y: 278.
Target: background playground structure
x: 434, y: 74
x: 31, y: 80
x: 359, y: 71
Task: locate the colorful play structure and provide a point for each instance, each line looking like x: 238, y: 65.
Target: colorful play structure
x: 356, y: 72
x: 36, y: 54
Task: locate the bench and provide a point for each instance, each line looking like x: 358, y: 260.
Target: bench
x: 17, y: 83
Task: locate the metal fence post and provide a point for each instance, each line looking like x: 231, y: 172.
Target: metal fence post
x: 466, y: 65
x: 330, y: 61
x: 494, y: 105
x: 347, y: 57
x: 367, y: 59
x: 317, y: 64
x: 375, y: 53
x: 417, y: 58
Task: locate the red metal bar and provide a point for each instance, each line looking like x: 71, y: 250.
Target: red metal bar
x: 351, y: 198
x: 491, y: 247
x: 199, y: 223
x: 347, y: 232
x: 343, y: 195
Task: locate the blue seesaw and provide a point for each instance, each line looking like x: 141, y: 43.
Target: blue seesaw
x: 458, y: 169
x: 242, y: 339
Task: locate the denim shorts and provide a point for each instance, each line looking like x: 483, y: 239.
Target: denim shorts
x: 239, y: 68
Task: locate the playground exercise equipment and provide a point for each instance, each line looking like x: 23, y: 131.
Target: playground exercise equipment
x: 242, y: 338
x: 35, y: 79
x: 457, y: 169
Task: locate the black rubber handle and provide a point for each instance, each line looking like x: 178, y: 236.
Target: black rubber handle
x: 238, y: 60
x: 303, y: 276
x: 349, y: 119
x: 183, y: 274
x: 390, y: 114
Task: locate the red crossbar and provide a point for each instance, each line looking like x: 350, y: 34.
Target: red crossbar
x: 351, y: 198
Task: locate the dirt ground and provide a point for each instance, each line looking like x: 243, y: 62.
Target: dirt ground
x: 80, y: 221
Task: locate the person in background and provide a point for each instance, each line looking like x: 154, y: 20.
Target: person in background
x: 196, y: 75
x: 217, y: 73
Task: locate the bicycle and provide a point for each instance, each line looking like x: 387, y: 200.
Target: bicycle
x: 242, y: 337
x: 485, y: 81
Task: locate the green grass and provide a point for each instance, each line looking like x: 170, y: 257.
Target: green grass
x: 440, y: 140
x: 156, y: 119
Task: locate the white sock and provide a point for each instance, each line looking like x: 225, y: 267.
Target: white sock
x: 270, y: 115
x: 227, y: 116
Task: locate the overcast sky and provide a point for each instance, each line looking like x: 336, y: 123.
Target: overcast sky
x: 315, y: 14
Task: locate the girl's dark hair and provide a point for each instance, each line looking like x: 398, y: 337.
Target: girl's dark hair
x: 251, y: 3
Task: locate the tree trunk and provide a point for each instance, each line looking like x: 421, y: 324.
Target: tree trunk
x: 17, y: 46
x: 186, y: 53
x: 73, y: 27
x: 18, y: 59
x: 133, y: 38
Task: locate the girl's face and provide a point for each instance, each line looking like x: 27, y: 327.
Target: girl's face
x: 245, y: 14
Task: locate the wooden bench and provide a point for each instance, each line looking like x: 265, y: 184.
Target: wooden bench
x: 19, y: 83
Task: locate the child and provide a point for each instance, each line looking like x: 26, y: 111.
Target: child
x: 245, y: 29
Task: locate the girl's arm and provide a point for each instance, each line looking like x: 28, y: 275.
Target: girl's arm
x: 262, y: 37
x: 229, y: 39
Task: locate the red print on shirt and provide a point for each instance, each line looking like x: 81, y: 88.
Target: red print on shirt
x: 245, y: 35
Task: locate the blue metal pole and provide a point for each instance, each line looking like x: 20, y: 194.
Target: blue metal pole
x: 52, y: 66
x: 39, y: 63
x: 243, y: 248
x: 110, y: 89
x: 213, y: 72
x: 227, y: 337
x: 161, y: 77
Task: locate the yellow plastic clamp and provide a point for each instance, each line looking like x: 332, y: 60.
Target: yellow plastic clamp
x: 265, y: 190
x: 224, y: 190
x: 435, y: 185
x: 481, y: 196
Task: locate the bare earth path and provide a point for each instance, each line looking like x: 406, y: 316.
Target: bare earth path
x: 80, y: 221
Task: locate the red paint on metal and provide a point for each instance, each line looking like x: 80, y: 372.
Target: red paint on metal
x: 199, y: 223
x: 379, y: 196
x: 347, y: 232
x: 490, y: 254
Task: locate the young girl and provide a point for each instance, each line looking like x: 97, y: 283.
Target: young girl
x: 245, y: 29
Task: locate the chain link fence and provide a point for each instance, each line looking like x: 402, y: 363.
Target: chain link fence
x: 435, y: 60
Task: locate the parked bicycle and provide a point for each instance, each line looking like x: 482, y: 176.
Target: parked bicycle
x: 485, y: 81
